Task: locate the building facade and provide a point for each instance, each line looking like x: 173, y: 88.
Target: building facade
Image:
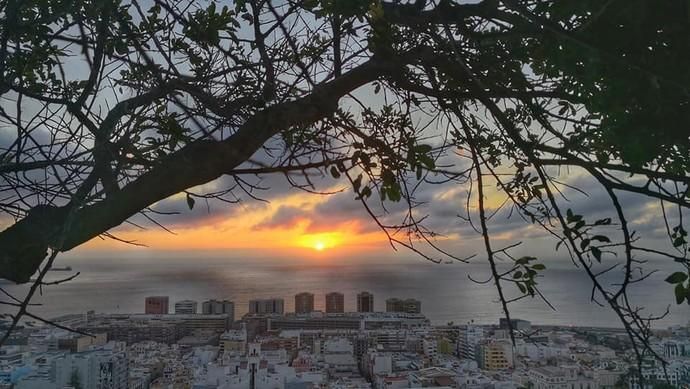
x: 516, y: 324
x: 335, y: 302
x: 217, y: 307
x: 166, y: 329
x: 156, y: 305
x: 233, y: 341
x: 365, y: 302
x: 185, y: 307
x: 403, y: 305
x: 556, y: 377
x: 304, y: 302
x: 495, y: 355
x: 469, y: 337
x: 273, y: 306
x: 104, y: 367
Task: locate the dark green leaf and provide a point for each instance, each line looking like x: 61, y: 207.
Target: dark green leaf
x: 603, y: 222
x: 521, y: 287
x: 357, y: 183
x: 601, y: 238
x: 677, y: 277
x: 584, y: 243
x: 597, y: 253
x: 190, y: 201
x: 681, y: 293
x: 334, y: 172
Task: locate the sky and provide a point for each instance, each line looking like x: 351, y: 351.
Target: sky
x: 288, y: 223
x: 291, y: 222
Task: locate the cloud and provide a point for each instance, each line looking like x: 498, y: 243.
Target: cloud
x: 285, y: 216
x: 300, y: 213
x: 335, y: 212
x: 256, y: 194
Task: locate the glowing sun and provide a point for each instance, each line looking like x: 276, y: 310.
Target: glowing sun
x: 320, y: 241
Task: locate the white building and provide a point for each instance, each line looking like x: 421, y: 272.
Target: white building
x: 233, y: 341
x: 338, y: 354
x: 675, y: 348
x: 541, y: 352
x: 266, y: 369
x: 105, y: 367
x: 432, y: 376
x: 430, y: 350
x: 468, y: 340
x: 567, y: 377
x: 675, y: 371
x: 185, y: 307
x: 377, y: 363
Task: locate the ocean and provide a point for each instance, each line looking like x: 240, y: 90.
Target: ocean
x: 119, y: 285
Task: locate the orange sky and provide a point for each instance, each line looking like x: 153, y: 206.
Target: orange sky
x: 337, y: 231
x: 239, y: 232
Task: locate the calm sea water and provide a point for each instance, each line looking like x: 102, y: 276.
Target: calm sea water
x: 446, y: 292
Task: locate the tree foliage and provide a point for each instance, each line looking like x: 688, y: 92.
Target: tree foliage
x: 111, y: 106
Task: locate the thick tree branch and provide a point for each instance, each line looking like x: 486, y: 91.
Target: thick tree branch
x: 24, y: 245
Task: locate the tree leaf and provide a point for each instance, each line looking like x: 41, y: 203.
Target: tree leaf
x: 677, y: 277
x: 603, y: 222
x: 357, y: 183
x: 584, y: 244
x: 596, y: 252
x: 190, y: 201
x: 601, y: 238
x: 579, y: 225
x: 521, y: 287
x: 334, y: 172
x: 681, y: 293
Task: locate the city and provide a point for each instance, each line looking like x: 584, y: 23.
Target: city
x: 344, y: 194
x: 203, y: 346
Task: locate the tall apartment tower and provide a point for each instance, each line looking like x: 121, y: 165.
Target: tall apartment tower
x: 365, y: 302
x: 304, y: 302
x: 335, y: 302
x: 413, y: 306
x: 185, y: 307
x: 404, y: 306
x: 393, y: 304
x: 216, y: 307
x: 156, y: 305
x: 274, y: 306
